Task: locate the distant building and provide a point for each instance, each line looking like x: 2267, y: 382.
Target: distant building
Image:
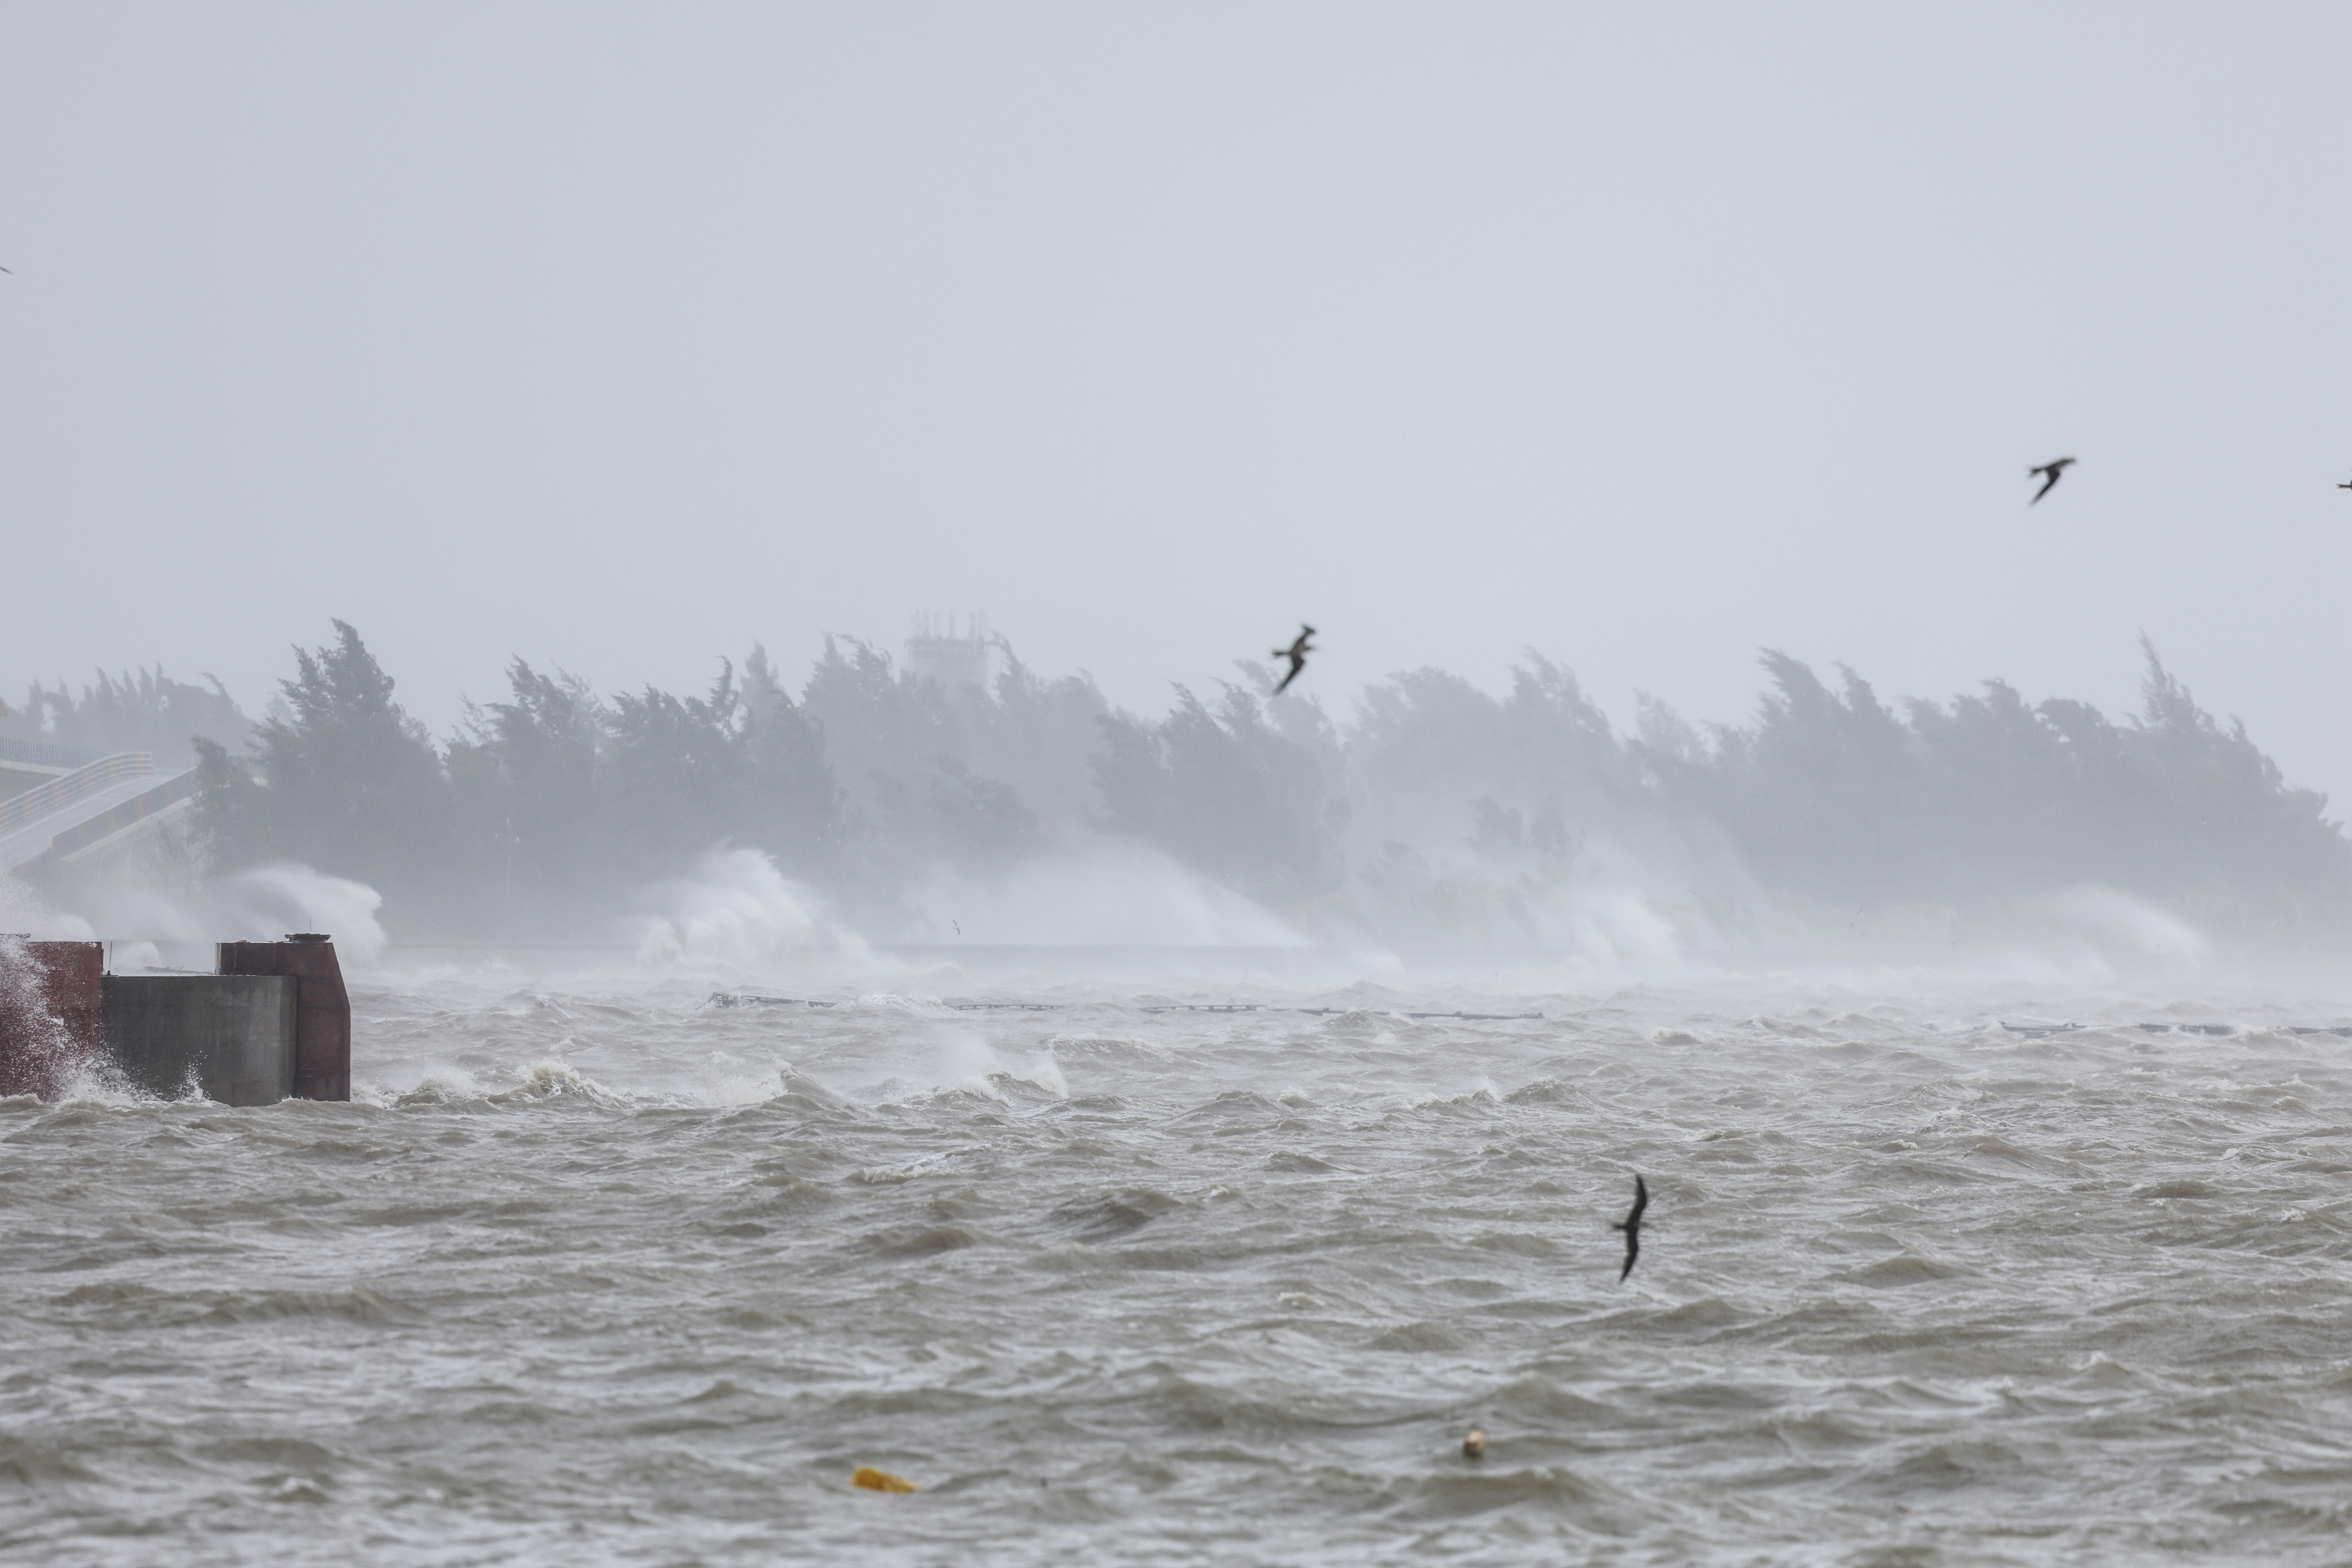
x: 936, y: 652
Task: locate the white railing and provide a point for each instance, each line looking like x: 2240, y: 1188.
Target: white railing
x: 38, y: 802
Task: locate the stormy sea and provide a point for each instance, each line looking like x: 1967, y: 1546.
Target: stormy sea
x: 628, y: 1266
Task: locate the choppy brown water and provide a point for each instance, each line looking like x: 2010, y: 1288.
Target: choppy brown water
x: 598, y: 1274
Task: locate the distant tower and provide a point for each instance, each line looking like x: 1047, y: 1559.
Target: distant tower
x: 936, y: 653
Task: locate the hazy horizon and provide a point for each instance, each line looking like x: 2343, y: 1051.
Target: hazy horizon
x: 1643, y: 341
x: 776, y: 818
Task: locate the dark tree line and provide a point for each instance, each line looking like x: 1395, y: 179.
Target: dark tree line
x: 1439, y: 812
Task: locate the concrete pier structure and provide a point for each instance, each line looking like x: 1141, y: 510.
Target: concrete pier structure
x: 323, y: 1061
x: 231, y: 1037
x: 275, y: 1023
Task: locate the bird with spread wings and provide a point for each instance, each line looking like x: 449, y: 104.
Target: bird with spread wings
x: 2051, y: 469
x: 1631, y: 1225
x: 1296, y: 654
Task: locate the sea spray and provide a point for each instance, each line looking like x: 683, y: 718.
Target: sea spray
x: 267, y: 900
x: 1100, y: 893
x: 739, y: 913
x: 36, y: 1052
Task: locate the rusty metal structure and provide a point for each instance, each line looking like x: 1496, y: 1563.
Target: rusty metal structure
x: 322, y: 1008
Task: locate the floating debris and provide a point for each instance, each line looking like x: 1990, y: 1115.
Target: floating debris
x: 1474, y: 1446
x: 872, y: 1479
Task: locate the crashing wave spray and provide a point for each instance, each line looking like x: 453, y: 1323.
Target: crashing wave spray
x: 739, y: 912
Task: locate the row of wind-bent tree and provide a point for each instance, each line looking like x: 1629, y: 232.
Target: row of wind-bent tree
x: 1835, y: 798
x: 141, y: 710
x: 546, y: 812
x: 1437, y: 813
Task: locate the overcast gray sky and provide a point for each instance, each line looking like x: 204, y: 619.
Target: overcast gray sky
x: 619, y: 336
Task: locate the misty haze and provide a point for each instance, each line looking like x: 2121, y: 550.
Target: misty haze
x: 952, y: 796
x: 1289, y: 784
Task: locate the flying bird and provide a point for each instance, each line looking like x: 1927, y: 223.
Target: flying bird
x: 1631, y: 1225
x: 1296, y: 654
x: 2052, y: 470
x: 2346, y: 486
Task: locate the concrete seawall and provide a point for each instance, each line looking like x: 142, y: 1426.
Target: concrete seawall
x: 275, y: 1023
x: 323, y: 1064
x: 233, y: 1036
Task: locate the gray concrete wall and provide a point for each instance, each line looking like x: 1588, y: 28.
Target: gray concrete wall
x: 236, y: 1032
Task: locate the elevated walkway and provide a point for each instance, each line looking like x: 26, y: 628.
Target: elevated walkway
x: 29, y: 764
x: 79, y: 813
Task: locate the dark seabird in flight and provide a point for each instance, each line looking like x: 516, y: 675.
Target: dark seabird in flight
x: 1296, y: 654
x: 2052, y: 470
x: 1631, y: 1225
x: 2346, y: 486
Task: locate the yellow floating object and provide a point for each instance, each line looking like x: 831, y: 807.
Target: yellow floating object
x: 872, y: 1479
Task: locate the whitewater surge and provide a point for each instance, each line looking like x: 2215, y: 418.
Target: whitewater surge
x: 595, y: 1270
